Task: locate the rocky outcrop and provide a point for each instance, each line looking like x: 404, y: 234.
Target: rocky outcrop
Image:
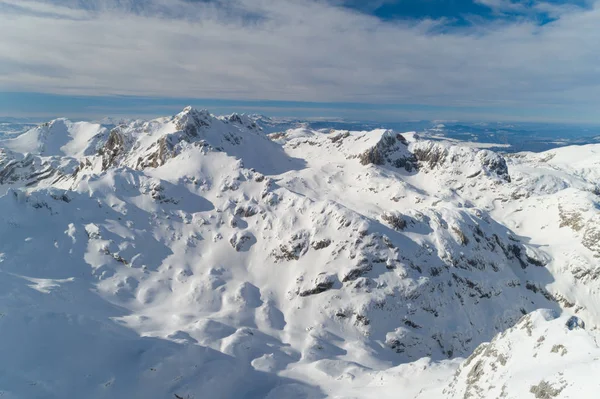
x: 391, y: 150
x: 395, y: 220
x: 191, y: 121
x: 242, y: 241
x: 460, y: 160
x: 29, y: 170
x: 591, y: 235
x: 294, y: 248
x: 323, y: 282
x: 113, y: 149
x: 157, y: 155
x: 242, y: 120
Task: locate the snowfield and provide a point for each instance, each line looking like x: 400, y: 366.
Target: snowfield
x: 197, y: 256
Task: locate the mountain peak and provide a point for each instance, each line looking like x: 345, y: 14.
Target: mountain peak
x: 194, y: 111
x: 190, y: 120
x: 59, y: 137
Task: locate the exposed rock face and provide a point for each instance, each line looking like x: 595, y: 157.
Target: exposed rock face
x: 29, y: 170
x: 296, y: 247
x: 432, y: 154
x: 390, y: 149
x: 247, y: 210
x: 572, y: 323
x: 395, y: 220
x: 362, y: 268
x: 461, y: 160
x: 321, y: 244
x: 243, y: 120
x: 242, y: 241
x: 591, y: 235
x: 191, y: 121
x: 545, y: 390
x: 161, y: 152
x: 321, y: 283
x: 112, y: 149
x: 570, y: 218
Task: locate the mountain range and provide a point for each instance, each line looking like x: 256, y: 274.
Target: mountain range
x: 201, y: 256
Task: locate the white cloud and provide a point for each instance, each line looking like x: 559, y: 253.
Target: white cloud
x: 295, y: 50
x: 40, y: 9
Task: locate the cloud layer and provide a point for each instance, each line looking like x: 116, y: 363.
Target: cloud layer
x: 304, y: 50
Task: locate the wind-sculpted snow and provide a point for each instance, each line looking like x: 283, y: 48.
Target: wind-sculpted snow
x: 194, y: 255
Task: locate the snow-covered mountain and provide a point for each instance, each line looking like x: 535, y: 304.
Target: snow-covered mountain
x: 197, y: 255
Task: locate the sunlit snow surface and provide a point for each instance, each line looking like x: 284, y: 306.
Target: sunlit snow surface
x: 198, y: 256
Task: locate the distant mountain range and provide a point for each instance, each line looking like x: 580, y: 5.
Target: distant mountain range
x: 501, y: 136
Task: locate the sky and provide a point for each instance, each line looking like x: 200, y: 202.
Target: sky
x: 381, y: 60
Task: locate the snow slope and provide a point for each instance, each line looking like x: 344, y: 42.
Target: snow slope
x: 59, y: 137
x: 195, y: 255
x: 542, y: 356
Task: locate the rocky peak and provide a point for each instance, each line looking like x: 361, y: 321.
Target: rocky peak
x: 391, y: 149
x: 191, y: 121
x: 53, y: 125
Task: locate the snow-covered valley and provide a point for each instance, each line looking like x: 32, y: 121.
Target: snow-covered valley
x: 196, y: 256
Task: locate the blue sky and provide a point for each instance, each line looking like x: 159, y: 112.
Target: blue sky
x: 382, y: 60
x: 461, y: 12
